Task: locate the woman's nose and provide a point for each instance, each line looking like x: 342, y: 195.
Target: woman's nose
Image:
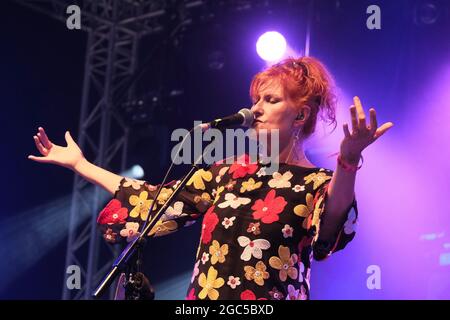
x: 257, y: 109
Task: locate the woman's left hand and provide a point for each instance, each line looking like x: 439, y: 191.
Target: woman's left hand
x: 362, y: 135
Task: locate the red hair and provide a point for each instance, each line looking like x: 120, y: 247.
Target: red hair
x: 306, y: 81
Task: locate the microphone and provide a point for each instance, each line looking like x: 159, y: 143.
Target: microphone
x: 242, y: 118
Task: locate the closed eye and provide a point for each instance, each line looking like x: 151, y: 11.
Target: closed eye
x: 268, y: 98
x: 271, y: 99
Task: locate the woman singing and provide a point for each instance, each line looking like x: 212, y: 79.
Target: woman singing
x: 260, y: 229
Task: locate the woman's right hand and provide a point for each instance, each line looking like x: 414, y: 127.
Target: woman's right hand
x: 67, y: 157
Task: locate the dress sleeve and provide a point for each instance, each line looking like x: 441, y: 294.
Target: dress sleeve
x: 323, y: 248
x: 123, y: 217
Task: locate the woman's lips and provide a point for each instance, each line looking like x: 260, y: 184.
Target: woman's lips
x: 256, y: 123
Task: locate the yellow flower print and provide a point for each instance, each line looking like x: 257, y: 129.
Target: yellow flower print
x: 204, y: 197
x: 317, y: 214
x: 250, y: 185
x: 209, y: 284
x: 281, y: 180
x: 198, y: 250
x: 257, y: 274
x: 198, y: 177
x: 285, y: 263
x: 164, y: 195
x: 135, y: 184
x: 218, y: 252
x: 317, y: 178
x: 141, y: 205
x: 218, y: 192
x: 304, y: 211
x: 162, y: 228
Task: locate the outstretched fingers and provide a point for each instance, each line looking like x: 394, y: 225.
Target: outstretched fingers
x: 44, y: 138
x: 346, y: 131
x: 39, y: 146
x: 354, y: 118
x: 39, y: 159
x: 373, y: 121
x: 361, y: 115
x: 382, y: 130
x: 69, y: 138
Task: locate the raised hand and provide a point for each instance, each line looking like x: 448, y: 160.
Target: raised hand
x: 68, y: 156
x: 362, y: 135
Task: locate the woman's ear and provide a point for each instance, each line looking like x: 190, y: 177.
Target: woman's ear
x: 302, y: 116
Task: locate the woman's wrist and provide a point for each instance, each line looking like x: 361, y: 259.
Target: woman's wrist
x: 79, y: 165
x: 351, y: 159
x: 349, y: 163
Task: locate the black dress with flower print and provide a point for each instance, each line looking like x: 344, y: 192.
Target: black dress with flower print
x: 259, y: 234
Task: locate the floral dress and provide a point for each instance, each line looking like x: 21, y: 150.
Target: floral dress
x: 260, y: 231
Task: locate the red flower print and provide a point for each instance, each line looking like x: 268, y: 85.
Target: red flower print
x: 110, y: 236
x: 249, y: 295
x: 209, y: 224
x: 275, y: 294
x: 230, y: 185
x: 242, y: 167
x: 268, y: 209
x: 191, y: 295
x: 254, y: 228
x: 113, y: 213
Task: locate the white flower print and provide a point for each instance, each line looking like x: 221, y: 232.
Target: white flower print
x: 233, y: 282
x: 287, y: 231
x: 196, y: 271
x: 261, y: 172
x: 131, y: 231
x: 135, y: 184
x: 308, y: 276
x: 228, y: 222
x: 298, y: 188
x: 299, y: 294
x: 174, y: 211
x: 205, y: 257
x: 221, y: 173
x: 301, y: 268
x: 303, y: 295
x: 231, y: 200
x: 292, y: 293
x: 350, y: 224
x: 252, y: 247
x: 281, y: 180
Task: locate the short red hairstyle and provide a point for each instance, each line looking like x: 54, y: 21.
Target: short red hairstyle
x: 306, y: 81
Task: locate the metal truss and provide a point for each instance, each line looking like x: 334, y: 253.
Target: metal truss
x: 114, y: 28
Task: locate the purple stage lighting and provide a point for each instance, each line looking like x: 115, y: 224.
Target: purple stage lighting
x: 271, y: 46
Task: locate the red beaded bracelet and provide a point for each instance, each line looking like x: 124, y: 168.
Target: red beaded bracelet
x: 349, y: 167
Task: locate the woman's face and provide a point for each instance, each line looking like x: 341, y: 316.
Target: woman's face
x: 273, y: 110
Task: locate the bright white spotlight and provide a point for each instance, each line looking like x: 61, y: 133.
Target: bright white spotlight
x: 271, y: 46
x: 137, y: 171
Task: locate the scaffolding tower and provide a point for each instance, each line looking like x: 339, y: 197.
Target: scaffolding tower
x: 114, y: 28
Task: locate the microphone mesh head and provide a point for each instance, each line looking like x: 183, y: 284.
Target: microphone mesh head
x: 248, y: 115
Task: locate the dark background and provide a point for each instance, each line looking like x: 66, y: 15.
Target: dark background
x: 41, y: 73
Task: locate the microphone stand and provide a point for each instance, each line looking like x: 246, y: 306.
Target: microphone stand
x: 137, y: 245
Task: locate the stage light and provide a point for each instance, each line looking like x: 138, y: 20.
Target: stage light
x: 28, y: 236
x: 271, y: 46
x: 134, y: 172
x: 426, y: 13
x: 137, y: 171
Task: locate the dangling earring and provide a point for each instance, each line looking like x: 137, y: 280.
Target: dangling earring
x: 294, y: 144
